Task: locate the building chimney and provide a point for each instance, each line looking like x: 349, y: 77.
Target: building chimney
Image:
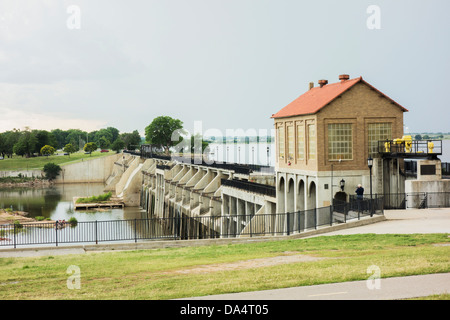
x: 344, y: 77
x: 311, y: 85
x: 323, y: 82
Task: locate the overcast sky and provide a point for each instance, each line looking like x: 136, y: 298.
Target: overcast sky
x: 230, y: 64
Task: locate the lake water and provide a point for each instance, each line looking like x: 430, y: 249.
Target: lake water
x: 243, y: 153
x: 56, y: 203
x: 264, y: 153
x: 445, y: 151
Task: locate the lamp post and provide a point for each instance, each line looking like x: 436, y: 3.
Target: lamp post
x: 370, y: 165
x: 268, y: 156
x: 342, y: 184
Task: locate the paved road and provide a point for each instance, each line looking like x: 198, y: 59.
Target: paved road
x: 371, y: 289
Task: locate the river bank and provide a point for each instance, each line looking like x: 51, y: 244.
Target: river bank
x: 14, y: 182
x: 8, y: 216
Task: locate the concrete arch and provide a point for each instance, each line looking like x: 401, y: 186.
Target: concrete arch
x: 312, y: 195
x: 290, y: 196
x: 281, y: 196
x: 301, y: 196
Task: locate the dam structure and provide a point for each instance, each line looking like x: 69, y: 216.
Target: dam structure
x: 216, y: 197
x: 328, y: 141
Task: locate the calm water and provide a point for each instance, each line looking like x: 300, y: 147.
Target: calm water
x: 244, y: 153
x: 445, y: 151
x: 56, y: 203
x: 257, y: 153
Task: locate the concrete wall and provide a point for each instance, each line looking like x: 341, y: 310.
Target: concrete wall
x: 23, y: 173
x: 88, y: 170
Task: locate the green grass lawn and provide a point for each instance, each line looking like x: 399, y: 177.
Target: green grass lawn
x: 167, y: 273
x: 22, y: 163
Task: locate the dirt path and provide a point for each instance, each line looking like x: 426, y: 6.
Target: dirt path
x: 288, y: 257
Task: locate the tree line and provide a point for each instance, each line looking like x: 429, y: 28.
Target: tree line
x: 28, y: 142
x: 159, y: 133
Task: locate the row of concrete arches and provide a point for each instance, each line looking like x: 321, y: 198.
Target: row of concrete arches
x: 295, y: 195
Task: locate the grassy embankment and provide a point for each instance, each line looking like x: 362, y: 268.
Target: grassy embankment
x: 183, y: 272
x: 96, y: 199
x: 22, y: 163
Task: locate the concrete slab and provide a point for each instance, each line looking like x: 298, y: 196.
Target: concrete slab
x: 406, y: 222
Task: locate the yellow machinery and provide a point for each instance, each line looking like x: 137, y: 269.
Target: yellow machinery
x: 406, y: 140
x: 430, y: 147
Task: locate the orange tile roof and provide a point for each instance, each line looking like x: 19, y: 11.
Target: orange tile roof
x: 316, y: 98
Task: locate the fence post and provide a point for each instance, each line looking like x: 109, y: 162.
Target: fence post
x: 287, y: 222
x: 135, y: 230
x: 315, y: 218
x: 56, y: 233
x: 299, y: 221
x: 346, y: 209
x: 331, y: 215
x: 14, y: 235
x: 96, y: 237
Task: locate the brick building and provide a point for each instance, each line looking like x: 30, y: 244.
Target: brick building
x: 326, y: 135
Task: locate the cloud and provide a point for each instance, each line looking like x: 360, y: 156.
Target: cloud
x: 17, y: 119
x: 38, y: 47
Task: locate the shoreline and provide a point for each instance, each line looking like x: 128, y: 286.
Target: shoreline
x: 28, y: 184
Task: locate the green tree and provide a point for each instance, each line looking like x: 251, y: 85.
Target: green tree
x: 131, y: 140
x: 90, y: 147
x: 43, y: 138
x: 9, y: 139
x: 51, y: 170
x: 114, y: 133
x: 159, y: 132
x: 105, y: 133
x: 103, y: 142
x: 75, y: 136
x: 47, y: 150
x: 60, y: 137
x: 26, y: 144
x: 69, y: 148
x: 418, y: 137
x: 118, y: 145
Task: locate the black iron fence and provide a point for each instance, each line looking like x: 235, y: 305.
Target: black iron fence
x: 184, y: 227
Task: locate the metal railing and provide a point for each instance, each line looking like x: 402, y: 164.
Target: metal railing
x: 413, y: 148
x: 418, y: 200
x: 146, y: 152
x: 184, y: 227
x: 250, y: 186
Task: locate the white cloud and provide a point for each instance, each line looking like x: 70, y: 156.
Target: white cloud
x: 17, y: 119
